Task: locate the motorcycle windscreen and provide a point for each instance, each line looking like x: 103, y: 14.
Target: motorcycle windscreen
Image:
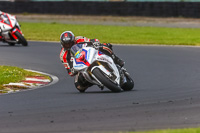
x: 76, y: 50
x: 5, y: 19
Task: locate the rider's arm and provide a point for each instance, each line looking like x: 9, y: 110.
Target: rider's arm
x: 106, y: 47
x: 94, y: 40
x: 81, y: 39
x: 103, y: 47
x: 65, y: 58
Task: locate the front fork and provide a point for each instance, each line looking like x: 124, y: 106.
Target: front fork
x: 123, y: 75
x: 13, y: 33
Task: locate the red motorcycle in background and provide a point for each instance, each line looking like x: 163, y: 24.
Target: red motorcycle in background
x: 10, y: 31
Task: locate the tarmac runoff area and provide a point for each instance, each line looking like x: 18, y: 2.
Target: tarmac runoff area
x: 30, y: 83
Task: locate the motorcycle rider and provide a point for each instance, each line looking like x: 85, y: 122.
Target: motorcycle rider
x: 67, y: 40
x: 1, y: 13
x: 1, y: 19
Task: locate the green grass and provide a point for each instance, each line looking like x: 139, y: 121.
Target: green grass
x: 114, y: 34
x: 13, y: 74
x: 188, y: 130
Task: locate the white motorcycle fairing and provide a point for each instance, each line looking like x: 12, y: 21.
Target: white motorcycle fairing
x: 87, y: 59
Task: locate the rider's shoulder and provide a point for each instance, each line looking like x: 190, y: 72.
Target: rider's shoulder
x: 79, y: 39
x: 94, y: 40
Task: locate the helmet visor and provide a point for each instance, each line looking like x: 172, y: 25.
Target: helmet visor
x: 68, y: 45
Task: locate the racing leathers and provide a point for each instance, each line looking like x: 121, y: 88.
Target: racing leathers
x: 67, y: 60
x: 1, y: 19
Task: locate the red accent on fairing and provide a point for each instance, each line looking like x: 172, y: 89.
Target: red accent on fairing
x: 9, y: 21
x: 13, y: 33
x: 82, y: 59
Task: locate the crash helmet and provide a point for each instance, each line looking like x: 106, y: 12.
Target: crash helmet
x: 1, y: 12
x: 67, y: 39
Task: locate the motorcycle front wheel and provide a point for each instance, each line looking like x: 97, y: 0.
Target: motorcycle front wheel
x: 11, y: 44
x: 105, y: 80
x: 129, y: 85
x: 21, y: 38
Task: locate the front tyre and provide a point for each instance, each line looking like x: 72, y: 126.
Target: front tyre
x: 11, y: 44
x: 105, y: 80
x: 21, y: 38
x: 129, y: 84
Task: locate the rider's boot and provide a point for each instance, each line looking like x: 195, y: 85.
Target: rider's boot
x: 117, y: 60
x: 107, y: 49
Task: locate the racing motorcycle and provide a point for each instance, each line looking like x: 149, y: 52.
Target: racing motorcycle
x: 100, y: 69
x: 10, y: 30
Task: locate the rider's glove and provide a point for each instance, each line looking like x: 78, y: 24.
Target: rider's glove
x: 72, y: 72
x: 96, y: 44
x: 108, y: 45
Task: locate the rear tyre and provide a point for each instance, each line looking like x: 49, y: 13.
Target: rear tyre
x: 105, y: 80
x: 21, y: 38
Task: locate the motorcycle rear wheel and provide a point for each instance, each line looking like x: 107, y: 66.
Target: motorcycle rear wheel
x: 21, y: 38
x: 105, y: 80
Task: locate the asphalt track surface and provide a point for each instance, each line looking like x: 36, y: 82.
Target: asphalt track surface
x: 166, y: 93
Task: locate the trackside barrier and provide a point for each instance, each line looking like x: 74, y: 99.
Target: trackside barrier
x: 116, y: 8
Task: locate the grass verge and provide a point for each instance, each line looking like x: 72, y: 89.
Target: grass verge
x: 188, y: 130
x: 14, y: 74
x: 114, y: 34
